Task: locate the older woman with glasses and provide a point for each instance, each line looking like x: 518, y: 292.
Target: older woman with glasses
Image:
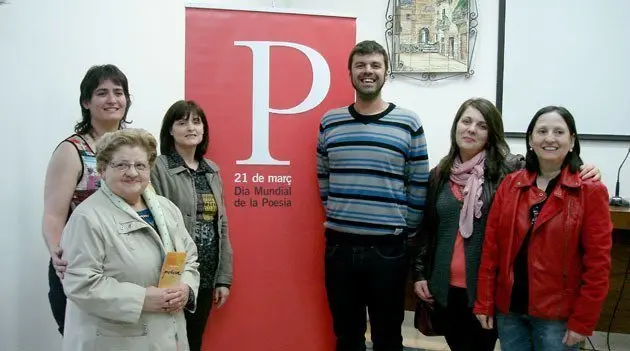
x: 115, y: 243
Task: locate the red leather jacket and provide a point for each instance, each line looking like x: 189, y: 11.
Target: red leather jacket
x: 568, y: 254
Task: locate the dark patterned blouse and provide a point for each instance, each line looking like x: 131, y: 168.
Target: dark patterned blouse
x: 205, y: 234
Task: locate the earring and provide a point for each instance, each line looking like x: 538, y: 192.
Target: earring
x: 531, y: 148
x: 571, y: 150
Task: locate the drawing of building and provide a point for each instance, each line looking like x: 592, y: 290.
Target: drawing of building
x: 432, y: 35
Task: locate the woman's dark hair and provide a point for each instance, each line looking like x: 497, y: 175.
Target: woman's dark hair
x: 573, y: 157
x: 93, y: 77
x: 182, y: 109
x: 496, y: 146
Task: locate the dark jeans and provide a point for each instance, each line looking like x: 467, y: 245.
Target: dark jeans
x: 462, y: 330
x: 56, y: 297
x: 196, y: 322
x: 525, y: 333
x: 367, y: 276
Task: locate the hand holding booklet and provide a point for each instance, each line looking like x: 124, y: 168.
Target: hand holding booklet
x: 170, y: 275
x: 172, y: 269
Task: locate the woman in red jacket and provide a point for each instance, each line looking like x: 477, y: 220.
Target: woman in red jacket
x: 546, y: 253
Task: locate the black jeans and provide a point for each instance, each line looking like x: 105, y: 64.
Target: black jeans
x: 367, y: 276
x: 56, y: 297
x: 196, y: 322
x: 462, y: 330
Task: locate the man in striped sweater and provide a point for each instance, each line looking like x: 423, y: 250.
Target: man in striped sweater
x: 373, y: 169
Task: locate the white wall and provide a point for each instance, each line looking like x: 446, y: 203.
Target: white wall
x: 46, y: 48
x: 586, y: 49
x: 437, y: 102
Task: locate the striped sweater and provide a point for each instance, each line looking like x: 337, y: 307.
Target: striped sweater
x: 373, y: 171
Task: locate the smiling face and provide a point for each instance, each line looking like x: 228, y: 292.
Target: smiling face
x: 367, y: 73
x: 108, y: 102
x: 187, y: 132
x: 551, y: 140
x: 127, y: 174
x: 471, y: 133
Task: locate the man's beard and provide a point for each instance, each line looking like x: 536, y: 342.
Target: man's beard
x: 367, y: 96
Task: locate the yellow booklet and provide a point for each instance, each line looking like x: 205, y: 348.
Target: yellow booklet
x: 172, y: 269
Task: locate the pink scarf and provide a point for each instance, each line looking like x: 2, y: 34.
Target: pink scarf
x: 469, y: 175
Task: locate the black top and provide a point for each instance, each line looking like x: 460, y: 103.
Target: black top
x: 519, y: 302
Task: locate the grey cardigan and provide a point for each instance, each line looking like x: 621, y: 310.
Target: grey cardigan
x: 176, y: 184
x: 433, y: 265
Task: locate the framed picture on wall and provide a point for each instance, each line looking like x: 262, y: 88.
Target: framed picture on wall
x: 432, y: 36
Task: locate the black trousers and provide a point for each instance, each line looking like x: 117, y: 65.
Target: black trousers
x: 56, y: 297
x: 462, y: 330
x: 372, y: 277
x: 196, y: 322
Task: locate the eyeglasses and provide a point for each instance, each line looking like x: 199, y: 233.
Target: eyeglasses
x: 125, y: 166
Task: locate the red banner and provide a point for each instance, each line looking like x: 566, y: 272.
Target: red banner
x: 264, y: 81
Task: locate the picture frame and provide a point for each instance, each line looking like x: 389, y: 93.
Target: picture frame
x: 432, y: 37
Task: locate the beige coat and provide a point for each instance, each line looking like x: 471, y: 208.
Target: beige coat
x: 177, y: 185
x: 112, y: 257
